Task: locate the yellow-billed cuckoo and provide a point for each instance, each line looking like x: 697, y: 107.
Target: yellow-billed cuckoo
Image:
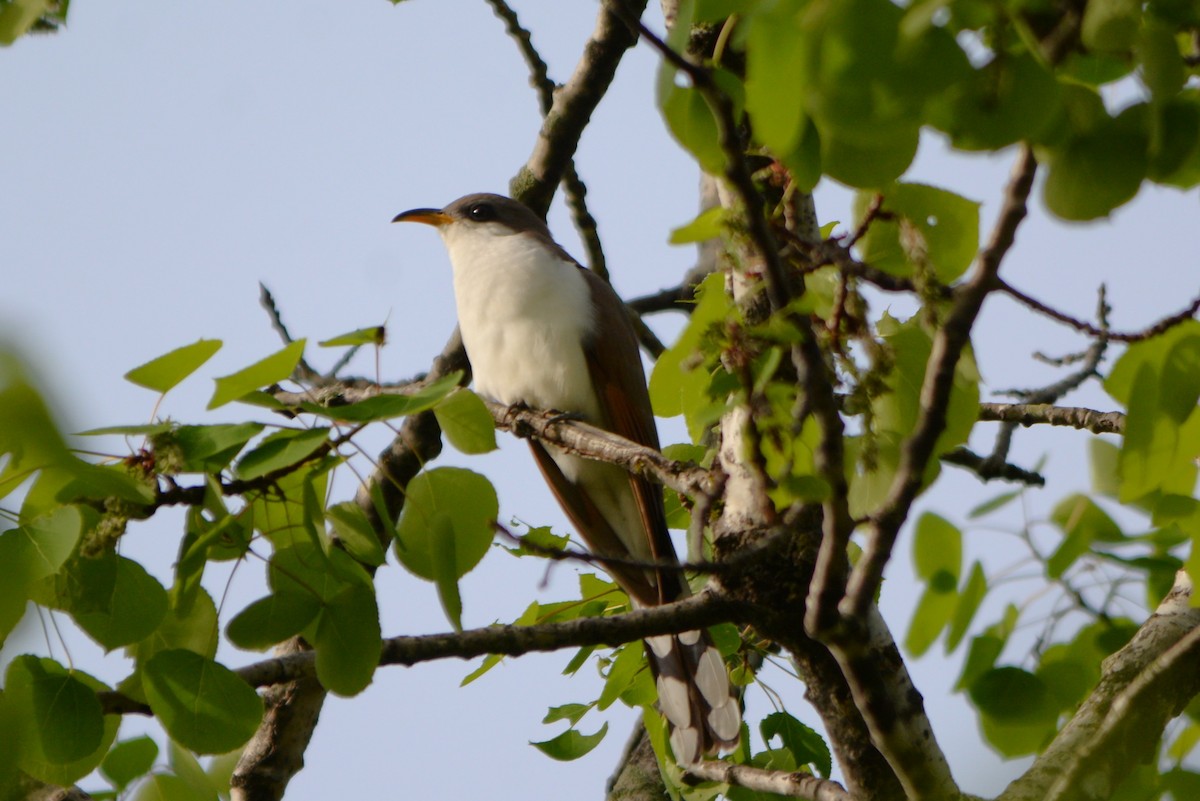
x: 541, y: 330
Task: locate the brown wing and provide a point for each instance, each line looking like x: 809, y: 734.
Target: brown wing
x: 587, y: 518
x: 620, y: 384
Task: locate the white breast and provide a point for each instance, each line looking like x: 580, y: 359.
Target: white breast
x: 523, y: 312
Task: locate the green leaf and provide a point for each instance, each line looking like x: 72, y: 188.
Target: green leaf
x: 44, y: 706
x: 691, y: 122
x: 933, y: 613
x: 1017, y: 712
x: 1097, y: 171
x: 489, y: 662
x: 926, y: 228
x: 65, y: 718
x: 1175, y: 142
x: 348, y: 640
x: 282, y: 449
x: 356, y: 533
x: 969, y: 599
x: 872, y: 163
x: 1111, y: 25
x: 986, y: 648
x: 937, y: 550
x: 444, y: 567
x: 203, y: 705
x: 1067, y: 674
x: 18, y: 16
x: 373, y: 335
x: 1011, y: 98
x: 709, y: 224
x: 165, y: 787
x: 104, y: 481
x: 49, y: 541
x: 536, y: 541
x: 129, y: 430
x: 388, y: 406
x: 276, y: 367
x: 272, y: 620
x: 281, y: 515
x: 806, y: 745
x: 572, y: 713
x: 571, y: 744
x: 1103, y: 460
x: 112, y: 598
x: 165, y: 372
x: 208, y: 449
x: 466, y: 422
x: 999, y: 502
x: 1162, y: 63
x: 1083, y: 522
x: 671, y: 379
x: 1159, y: 381
x: 191, y: 625
x: 128, y: 760
x: 188, y: 768
x: 630, y: 660
x: 466, y: 499
x: 774, y: 55
x: 1012, y: 694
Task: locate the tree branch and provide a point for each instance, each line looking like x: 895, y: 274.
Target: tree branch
x: 1142, y: 686
x: 1083, y: 326
x: 637, y: 777
x: 697, y: 611
x: 1027, y: 414
x: 573, y: 105
x: 789, y: 784
x: 987, y: 469
x: 576, y: 190
x: 948, y: 345
x: 595, y: 443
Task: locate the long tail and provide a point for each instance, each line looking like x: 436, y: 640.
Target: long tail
x: 694, y: 694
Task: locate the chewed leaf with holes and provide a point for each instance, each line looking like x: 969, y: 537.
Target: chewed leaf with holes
x: 921, y: 228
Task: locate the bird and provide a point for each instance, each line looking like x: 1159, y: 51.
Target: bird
x: 542, y: 331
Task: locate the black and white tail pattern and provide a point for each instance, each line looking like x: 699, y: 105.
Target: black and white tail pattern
x: 694, y: 694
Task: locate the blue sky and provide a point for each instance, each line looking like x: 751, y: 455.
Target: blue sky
x: 157, y: 160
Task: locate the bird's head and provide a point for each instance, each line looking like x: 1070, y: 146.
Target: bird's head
x: 479, y: 217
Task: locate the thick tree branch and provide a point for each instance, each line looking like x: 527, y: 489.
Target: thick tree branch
x: 1142, y: 686
x: 790, y: 785
x: 893, y: 709
x: 704, y: 609
x: 637, y: 777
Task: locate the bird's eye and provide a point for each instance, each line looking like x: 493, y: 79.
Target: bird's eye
x: 482, y: 212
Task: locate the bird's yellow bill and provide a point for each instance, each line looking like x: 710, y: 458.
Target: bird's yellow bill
x: 427, y: 216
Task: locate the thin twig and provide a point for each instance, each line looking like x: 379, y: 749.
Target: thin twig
x: 1083, y: 326
x: 987, y: 470
x: 303, y: 371
x: 576, y: 190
